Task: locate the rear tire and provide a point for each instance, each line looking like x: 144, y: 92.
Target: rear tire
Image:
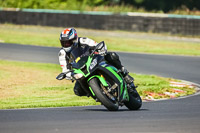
x: 135, y: 101
x: 108, y: 103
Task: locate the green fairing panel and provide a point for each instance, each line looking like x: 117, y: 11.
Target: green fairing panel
x: 118, y: 77
x: 102, y: 80
x: 78, y: 71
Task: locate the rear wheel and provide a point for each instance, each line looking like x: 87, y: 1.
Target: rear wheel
x: 106, y: 99
x: 135, y: 101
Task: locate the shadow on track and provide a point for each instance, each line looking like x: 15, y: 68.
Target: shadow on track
x: 120, y: 110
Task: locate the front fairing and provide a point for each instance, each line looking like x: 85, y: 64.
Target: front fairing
x: 87, y: 64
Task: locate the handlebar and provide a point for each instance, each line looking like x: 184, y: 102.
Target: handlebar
x: 98, y: 46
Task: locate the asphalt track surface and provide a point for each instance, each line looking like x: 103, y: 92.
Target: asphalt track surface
x: 169, y: 116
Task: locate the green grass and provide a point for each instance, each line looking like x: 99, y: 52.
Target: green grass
x: 151, y: 46
x: 115, y: 40
x: 30, y: 85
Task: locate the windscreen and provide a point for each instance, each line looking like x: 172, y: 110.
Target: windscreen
x: 76, y: 54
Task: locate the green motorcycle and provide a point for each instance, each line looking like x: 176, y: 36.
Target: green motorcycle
x: 100, y: 80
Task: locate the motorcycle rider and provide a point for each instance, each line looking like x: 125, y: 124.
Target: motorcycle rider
x: 69, y: 39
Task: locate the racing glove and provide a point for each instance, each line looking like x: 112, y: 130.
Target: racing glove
x: 68, y: 76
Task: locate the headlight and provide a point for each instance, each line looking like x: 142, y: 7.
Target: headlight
x: 78, y: 76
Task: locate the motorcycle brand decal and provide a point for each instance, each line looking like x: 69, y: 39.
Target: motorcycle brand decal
x: 93, y: 64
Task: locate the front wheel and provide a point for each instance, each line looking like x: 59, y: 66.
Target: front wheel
x: 135, y: 101
x: 103, y: 98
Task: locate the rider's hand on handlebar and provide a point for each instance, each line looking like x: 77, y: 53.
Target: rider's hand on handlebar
x: 102, y: 51
x: 68, y: 76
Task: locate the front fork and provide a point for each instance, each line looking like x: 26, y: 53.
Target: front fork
x: 124, y: 97
x: 122, y: 91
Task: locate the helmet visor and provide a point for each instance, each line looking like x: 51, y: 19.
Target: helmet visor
x: 67, y: 43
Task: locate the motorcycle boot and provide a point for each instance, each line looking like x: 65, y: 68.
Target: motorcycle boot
x: 78, y: 90
x: 130, y: 82
x: 126, y: 76
x: 132, y: 89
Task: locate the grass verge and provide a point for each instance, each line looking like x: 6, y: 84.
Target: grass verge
x: 29, y: 85
x: 115, y: 40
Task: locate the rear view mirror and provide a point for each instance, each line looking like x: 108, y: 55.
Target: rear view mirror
x: 100, y: 45
x: 61, y: 76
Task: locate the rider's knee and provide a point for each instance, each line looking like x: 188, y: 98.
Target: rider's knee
x: 112, y: 56
x: 113, y: 59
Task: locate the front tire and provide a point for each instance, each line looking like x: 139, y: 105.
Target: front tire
x: 108, y: 103
x: 135, y: 101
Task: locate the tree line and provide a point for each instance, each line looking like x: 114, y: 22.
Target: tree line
x: 148, y: 5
